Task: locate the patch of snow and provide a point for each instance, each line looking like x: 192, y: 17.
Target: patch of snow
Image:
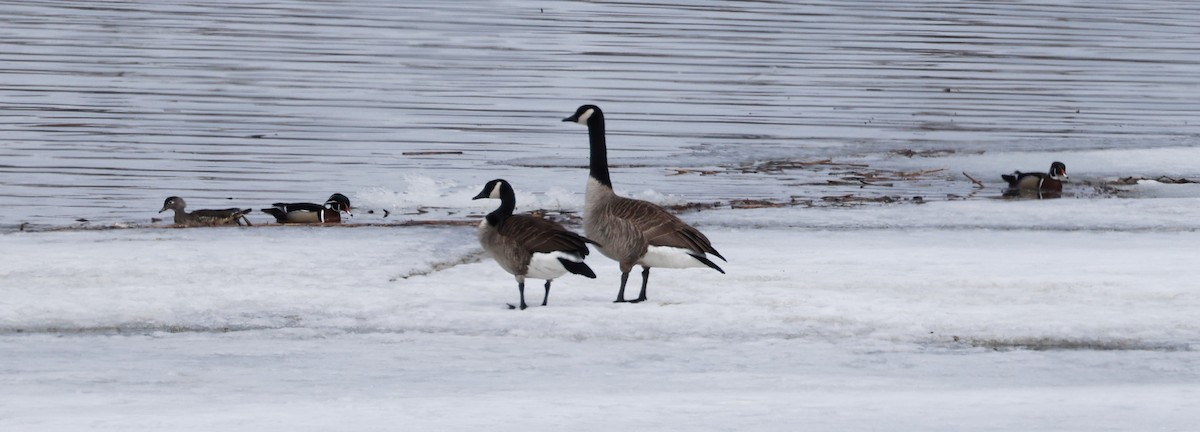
x: 314, y: 328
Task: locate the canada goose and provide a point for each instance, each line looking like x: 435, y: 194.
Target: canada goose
x: 1051, y: 181
x: 634, y: 232
x: 309, y: 212
x: 204, y: 217
x: 527, y: 246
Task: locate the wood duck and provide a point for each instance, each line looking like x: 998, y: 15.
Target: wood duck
x: 527, y: 246
x: 228, y: 216
x: 1032, y: 181
x: 331, y: 212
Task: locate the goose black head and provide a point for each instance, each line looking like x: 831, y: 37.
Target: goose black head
x: 495, y: 189
x: 1058, y: 171
x: 173, y: 203
x: 585, y: 114
x: 339, y: 202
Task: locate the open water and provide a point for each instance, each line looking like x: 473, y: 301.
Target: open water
x: 106, y: 108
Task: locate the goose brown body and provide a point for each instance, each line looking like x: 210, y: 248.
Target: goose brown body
x: 629, y: 227
x: 514, y: 243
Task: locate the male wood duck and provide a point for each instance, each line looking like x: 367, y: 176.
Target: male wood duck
x: 1032, y: 181
x: 228, y: 216
x: 331, y: 212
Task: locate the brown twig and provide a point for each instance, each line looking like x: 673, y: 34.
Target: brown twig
x: 973, y: 180
x: 979, y: 184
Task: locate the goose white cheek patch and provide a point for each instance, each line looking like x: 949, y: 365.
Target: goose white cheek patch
x: 583, y: 118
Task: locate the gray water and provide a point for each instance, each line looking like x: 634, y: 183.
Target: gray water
x: 106, y: 108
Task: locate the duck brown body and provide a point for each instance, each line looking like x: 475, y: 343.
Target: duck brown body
x: 230, y: 216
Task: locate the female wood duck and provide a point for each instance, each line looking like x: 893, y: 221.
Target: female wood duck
x: 204, y: 217
x: 331, y: 212
x: 527, y: 246
x: 1031, y: 181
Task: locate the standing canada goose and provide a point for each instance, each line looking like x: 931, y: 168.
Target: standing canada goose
x: 527, y: 246
x: 1035, y: 181
x: 634, y: 232
x: 309, y: 212
x: 204, y: 217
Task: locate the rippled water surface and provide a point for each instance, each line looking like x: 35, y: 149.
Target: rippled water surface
x: 108, y: 107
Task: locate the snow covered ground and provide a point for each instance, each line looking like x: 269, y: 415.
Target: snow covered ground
x: 828, y: 319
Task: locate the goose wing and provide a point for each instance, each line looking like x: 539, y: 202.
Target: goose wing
x: 540, y: 235
x: 661, y: 228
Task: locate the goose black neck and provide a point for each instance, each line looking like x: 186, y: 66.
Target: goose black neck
x: 508, y: 202
x: 599, y: 158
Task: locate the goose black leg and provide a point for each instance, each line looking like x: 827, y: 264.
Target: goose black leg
x: 521, y: 288
x: 645, y: 278
x: 547, y: 297
x: 621, y: 293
